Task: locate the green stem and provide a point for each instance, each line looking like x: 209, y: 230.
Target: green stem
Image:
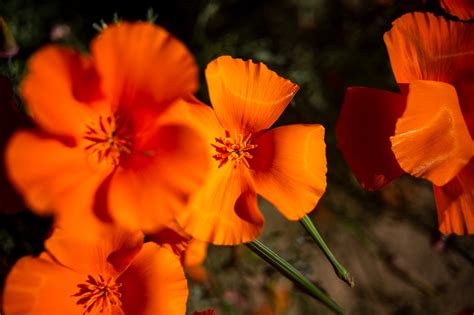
x: 338, y: 268
x: 291, y: 273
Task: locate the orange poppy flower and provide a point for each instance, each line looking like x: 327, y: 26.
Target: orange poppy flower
x: 114, y: 275
x: 463, y: 9
x: 285, y: 165
x: 99, y: 144
x: 427, y: 130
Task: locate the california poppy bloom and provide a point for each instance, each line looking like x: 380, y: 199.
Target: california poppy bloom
x: 285, y: 165
x: 463, y: 9
x: 98, y: 143
x: 116, y: 274
x: 426, y: 130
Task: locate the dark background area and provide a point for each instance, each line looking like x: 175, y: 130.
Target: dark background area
x: 387, y: 239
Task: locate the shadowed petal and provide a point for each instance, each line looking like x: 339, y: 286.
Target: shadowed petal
x: 108, y: 254
x: 365, y: 124
x: 154, y: 283
x: 167, y: 165
x: 455, y: 202
x: 463, y: 9
x: 289, y: 168
x: 227, y: 203
x: 247, y: 96
x: 431, y: 138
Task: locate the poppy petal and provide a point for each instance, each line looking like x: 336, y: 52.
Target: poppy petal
x: 454, y: 202
x: 52, y: 176
x: 365, y: 124
x: 228, y: 204
x: 463, y: 9
x: 247, y: 96
x: 431, y: 138
x: 423, y: 46
x: 114, y: 245
x: 41, y: 286
x: 289, y: 168
x: 142, y: 64
x: 168, y: 164
x: 59, y: 84
x: 154, y: 283
x: 195, y: 253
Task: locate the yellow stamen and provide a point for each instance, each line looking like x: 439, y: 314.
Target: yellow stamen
x: 98, y: 295
x: 108, y: 139
x: 234, y: 149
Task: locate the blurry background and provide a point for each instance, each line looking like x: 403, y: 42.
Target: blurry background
x: 388, y: 240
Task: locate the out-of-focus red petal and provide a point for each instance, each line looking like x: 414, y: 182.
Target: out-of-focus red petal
x: 366, y: 122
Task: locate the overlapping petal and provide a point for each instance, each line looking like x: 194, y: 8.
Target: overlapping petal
x: 455, y: 202
x: 431, y: 138
x: 58, y: 177
x: 289, y: 168
x: 59, y: 89
x: 463, y: 9
x: 423, y: 46
x: 365, y: 124
x: 227, y: 203
x: 109, y: 253
x: 247, y: 96
x: 35, y: 286
x: 141, y: 64
x: 154, y: 283
x: 169, y: 163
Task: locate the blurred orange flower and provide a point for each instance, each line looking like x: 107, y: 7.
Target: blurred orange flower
x: 463, y: 9
x: 427, y: 130
x: 99, y: 144
x: 114, y: 275
x: 285, y: 165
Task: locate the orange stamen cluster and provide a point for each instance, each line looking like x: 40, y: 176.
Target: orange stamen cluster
x: 234, y: 149
x: 107, y: 139
x: 98, y: 295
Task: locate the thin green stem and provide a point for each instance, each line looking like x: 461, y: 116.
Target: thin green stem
x: 293, y: 274
x: 338, y: 268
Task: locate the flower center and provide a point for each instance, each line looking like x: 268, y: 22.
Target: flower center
x: 107, y: 139
x: 234, y: 149
x: 98, y: 295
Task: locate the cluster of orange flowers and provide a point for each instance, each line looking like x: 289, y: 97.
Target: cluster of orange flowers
x: 427, y: 129
x: 121, y: 147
